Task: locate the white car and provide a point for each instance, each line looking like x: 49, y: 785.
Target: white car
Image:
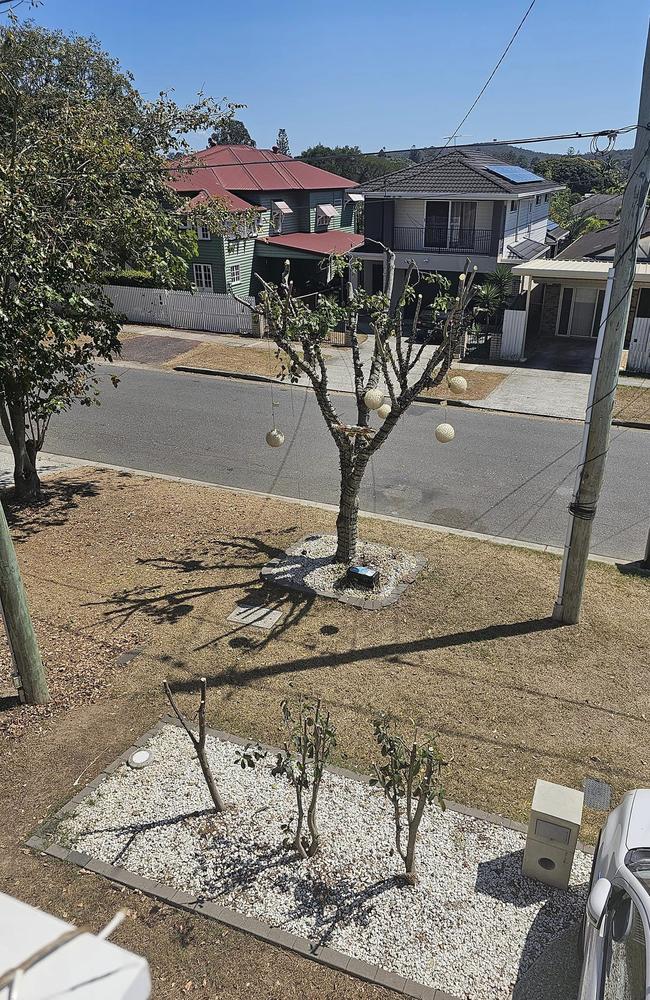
x: 616, y: 931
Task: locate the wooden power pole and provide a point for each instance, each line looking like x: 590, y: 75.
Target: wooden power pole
x: 604, y: 377
x: 20, y: 631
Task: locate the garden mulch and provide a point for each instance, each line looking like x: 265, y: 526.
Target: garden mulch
x: 124, y: 562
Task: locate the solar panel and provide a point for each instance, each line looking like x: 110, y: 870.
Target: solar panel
x: 518, y: 175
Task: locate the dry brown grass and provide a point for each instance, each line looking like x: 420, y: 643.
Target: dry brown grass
x: 248, y: 360
x: 632, y: 404
x: 479, y: 385
x: 469, y: 652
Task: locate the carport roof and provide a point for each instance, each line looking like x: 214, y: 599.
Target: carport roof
x: 575, y: 270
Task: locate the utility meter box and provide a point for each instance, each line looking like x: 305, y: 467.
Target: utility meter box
x: 555, y: 817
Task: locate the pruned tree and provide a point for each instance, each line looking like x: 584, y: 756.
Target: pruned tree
x: 310, y: 740
x: 84, y: 192
x: 198, y: 742
x: 409, y: 357
x: 410, y: 779
x: 282, y: 142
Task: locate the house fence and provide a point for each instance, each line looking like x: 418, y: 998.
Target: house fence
x: 213, y: 312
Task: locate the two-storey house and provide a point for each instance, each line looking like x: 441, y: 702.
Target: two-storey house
x: 459, y: 204
x: 303, y: 213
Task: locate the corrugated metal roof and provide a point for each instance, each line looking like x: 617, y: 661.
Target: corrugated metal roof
x: 333, y: 241
x: 456, y: 172
x: 570, y: 270
x: 245, y: 168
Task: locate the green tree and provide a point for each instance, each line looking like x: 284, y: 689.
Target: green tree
x: 577, y: 225
x: 231, y: 132
x: 84, y: 168
x: 349, y: 161
x: 416, y: 155
x: 282, y: 142
x: 579, y: 175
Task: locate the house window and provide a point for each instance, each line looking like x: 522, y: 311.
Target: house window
x: 513, y: 206
x: 203, y: 277
x: 275, y: 225
x: 324, y: 214
x: 538, y: 199
x: 202, y: 232
x: 545, y: 197
x: 235, y: 276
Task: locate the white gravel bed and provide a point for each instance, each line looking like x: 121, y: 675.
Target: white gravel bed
x: 311, y: 564
x: 471, y: 926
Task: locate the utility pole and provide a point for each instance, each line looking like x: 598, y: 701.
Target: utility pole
x: 604, y: 376
x: 20, y: 631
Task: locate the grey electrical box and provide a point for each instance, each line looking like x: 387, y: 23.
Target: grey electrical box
x: 555, y: 818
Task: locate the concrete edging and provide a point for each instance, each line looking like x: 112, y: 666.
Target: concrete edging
x: 193, y: 903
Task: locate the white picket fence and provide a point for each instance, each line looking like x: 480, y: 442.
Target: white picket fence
x: 208, y: 311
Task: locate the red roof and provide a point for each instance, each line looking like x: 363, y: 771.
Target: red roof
x: 333, y: 241
x: 203, y: 182
x: 245, y: 168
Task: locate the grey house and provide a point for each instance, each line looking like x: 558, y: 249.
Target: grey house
x: 457, y: 205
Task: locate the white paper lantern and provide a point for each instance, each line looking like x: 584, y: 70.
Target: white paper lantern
x: 275, y: 438
x: 384, y: 411
x: 445, y: 433
x: 373, y: 399
x: 458, y: 385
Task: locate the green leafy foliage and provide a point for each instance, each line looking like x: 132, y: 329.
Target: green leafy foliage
x: 309, y: 743
x: 410, y: 778
x: 84, y: 169
x: 231, y: 132
x: 350, y: 162
x: 282, y: 142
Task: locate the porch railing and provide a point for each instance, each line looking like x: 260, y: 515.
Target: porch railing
x: 445, y: 239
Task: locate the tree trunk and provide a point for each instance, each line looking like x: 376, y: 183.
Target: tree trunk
x: 26, y: 479
x: 348, y: 516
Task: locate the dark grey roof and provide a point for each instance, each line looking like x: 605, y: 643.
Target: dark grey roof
x: 455, y: 171
x: 592, y: 245
x: 527, y: 250
x: 604, y: 206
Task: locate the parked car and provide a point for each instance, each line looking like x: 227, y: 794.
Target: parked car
x: 616, y: 931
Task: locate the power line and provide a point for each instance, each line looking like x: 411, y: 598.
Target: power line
x: 491, y: 76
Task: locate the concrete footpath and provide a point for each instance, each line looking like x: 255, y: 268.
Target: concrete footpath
x: 534, y: 391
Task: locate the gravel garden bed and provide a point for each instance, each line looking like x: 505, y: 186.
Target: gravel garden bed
x: 471, y: 927
x: 309, y: 567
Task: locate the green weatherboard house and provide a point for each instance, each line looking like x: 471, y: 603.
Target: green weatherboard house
x: 305, y: 214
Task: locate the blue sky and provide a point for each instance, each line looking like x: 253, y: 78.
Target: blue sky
x: 381, y: 73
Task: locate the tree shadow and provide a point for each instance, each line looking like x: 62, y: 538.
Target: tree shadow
x: 52, y: 509
x: 168, y: 604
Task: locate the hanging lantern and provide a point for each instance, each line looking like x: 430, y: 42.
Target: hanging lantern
x: 445, y: 433
x: 275, y: 438
x: 384, y: 411
x: 373, y: 399
x: 458, y: 385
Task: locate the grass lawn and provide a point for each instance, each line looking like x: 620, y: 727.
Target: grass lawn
x: 632, y: 403
x: 479, y: 385
x: 113, y: 561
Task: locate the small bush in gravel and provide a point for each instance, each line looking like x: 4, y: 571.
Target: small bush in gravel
x: 410, y: 780
x: 310, y: 740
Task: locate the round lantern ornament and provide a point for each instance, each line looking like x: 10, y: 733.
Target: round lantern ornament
x: 445, y: 433
x: 458, y: 385
x: 384, y: 411
x: 373, y: 399
x: 275, y: 438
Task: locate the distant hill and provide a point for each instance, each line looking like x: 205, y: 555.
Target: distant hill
x: 513, y: 154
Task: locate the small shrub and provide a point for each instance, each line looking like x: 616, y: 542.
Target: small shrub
x: 410, y: 780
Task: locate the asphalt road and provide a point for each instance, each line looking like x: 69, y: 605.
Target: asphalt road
x: 503, y: 474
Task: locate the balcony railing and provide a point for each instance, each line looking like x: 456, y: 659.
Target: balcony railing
x: 445, y: 239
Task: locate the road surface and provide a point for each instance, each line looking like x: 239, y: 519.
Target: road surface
x: 503, y: 474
